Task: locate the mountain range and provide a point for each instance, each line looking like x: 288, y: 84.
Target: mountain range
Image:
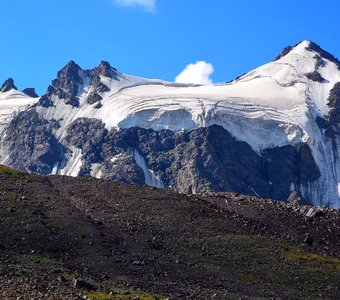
x: 271, y: 132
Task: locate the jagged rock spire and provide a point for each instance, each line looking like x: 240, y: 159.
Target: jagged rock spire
x: 30, y: 92
x: 8, y: 85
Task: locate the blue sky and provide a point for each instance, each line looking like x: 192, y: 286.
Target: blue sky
x: 156, y: 38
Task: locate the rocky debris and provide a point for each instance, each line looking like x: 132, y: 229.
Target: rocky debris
x: 138, y: 263
x: 30, y: 92
x: 308, y: 239
x: 83, y: 284
x: 61, y: 278
x: 315, y: 212
x: 118, y: 237
x: 294, y: 199
x: 8, y: 85
x: 307, y: 224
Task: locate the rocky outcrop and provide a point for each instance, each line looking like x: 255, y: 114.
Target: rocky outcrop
x: 334, y: 104
x: 104, y: 69
x: 70, y: 84
x: 66, y: 86
x: 30, y: 138
x: 315, y: 76
x: 30, y: 92
x: 284, y: 52
x: 202, y: 160
x: 316, y: 48
x: 331, y: 122
x: 8, y: 85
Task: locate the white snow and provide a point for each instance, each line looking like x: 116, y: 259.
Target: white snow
x: 150, y: 177
x: 73, y: 164
x: 96, y: 170
x: 11, y: 103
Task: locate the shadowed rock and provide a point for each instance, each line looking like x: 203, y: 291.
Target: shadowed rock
x: 30, y: 92
x: 8, y: 85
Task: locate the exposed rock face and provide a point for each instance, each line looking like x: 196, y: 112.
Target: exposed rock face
x: 206, y: 159
x: 66, y: 86
x: 8, y: 85
x: 284, y: 52
x: 334, y: 104
x: 315, y: 76
x: 30, y: 138
x: 316, y: 48
x: 104, y: 69
x: 331, y: 122
x: 70, y: 84
x: 30, y: 92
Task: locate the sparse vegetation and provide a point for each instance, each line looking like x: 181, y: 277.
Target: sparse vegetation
x: 161, y: 243
x: 297, y: 254
x: 9, y: 171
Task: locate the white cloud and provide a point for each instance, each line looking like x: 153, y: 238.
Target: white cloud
x: 148, y: 5
x: 198, y: 72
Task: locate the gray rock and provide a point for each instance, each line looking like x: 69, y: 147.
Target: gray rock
x: 30, y: 92
x: 31, y: 144
x: 83, y: 284
x: 8, y: 85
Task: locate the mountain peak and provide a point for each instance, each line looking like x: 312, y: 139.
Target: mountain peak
x: 30, y: 92
x: 8, y: 85
x: 311, y: 46
x: 70, y: 68
x: 105, y: 69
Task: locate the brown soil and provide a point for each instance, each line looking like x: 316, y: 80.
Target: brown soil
x: 137, y: 242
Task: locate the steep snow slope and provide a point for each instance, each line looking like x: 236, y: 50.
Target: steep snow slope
x: 272, y: 106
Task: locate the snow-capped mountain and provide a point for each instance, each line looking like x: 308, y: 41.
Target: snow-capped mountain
x: 13, y: 101
x: 271, y: 131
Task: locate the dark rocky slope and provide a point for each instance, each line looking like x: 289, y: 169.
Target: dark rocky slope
x: 122, y: 239
x: 201, y: 160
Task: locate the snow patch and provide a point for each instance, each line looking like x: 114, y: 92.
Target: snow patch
x: 96, y: 170
x: 11, y: 103
x: 73, y: 165
x: 150, y: 177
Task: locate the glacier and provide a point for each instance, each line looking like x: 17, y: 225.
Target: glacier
x: 272, y: 106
